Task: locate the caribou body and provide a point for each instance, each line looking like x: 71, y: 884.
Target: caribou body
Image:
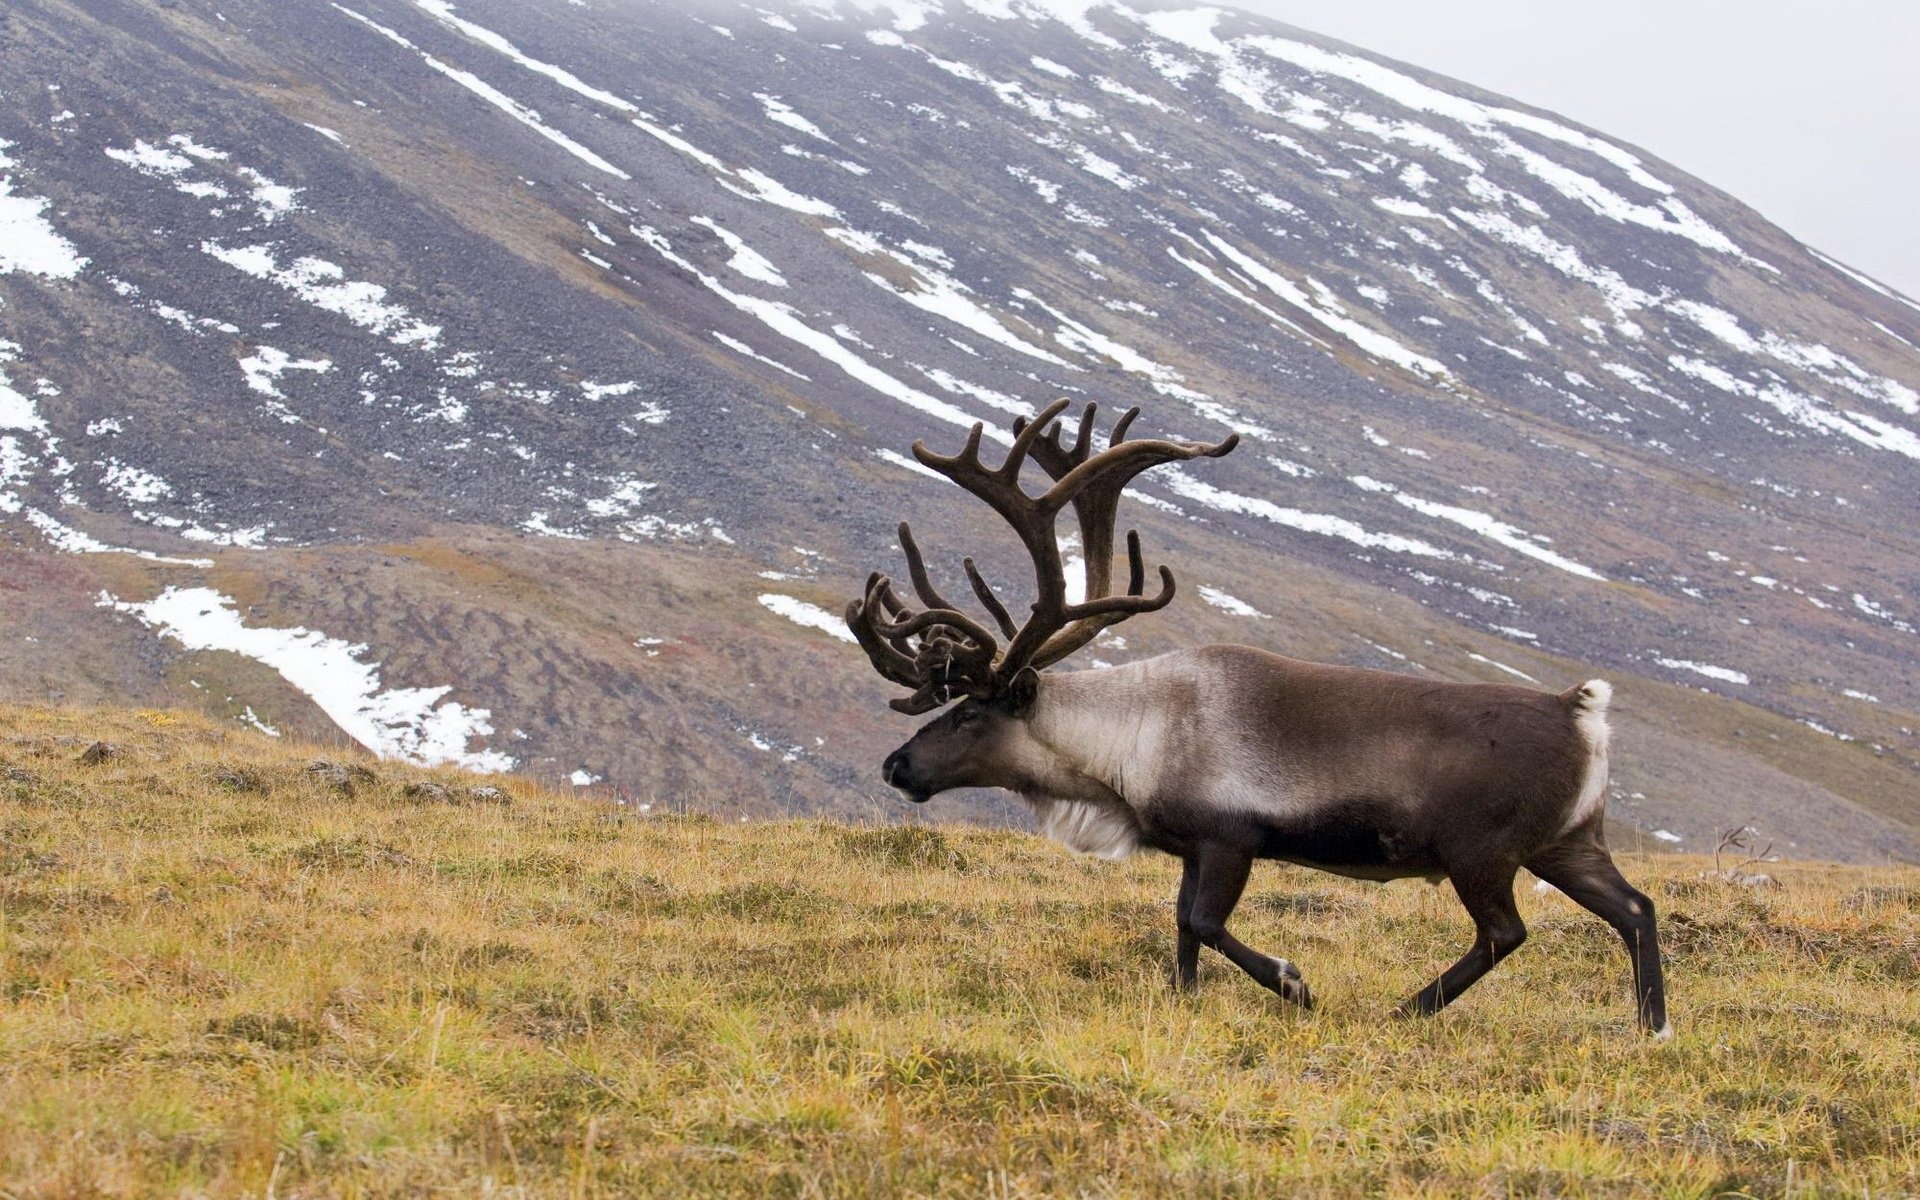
x: 1223, y: 755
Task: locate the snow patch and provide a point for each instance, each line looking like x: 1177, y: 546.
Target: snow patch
x: 1230, y: 604
x: 412, y: 724
x: 265, y: 366
x: 324, y: 285
x: 28, y: 241
x: 1723, y: 674
x: 746, y: 260
x: 494, y: 96
x: 1184, y: 485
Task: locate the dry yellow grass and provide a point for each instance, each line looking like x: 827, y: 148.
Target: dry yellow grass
x: 221, y: 974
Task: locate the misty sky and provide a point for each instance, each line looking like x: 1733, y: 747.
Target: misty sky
x: 1810, y: 112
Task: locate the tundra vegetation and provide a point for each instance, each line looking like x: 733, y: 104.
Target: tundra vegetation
x: 228, y: 970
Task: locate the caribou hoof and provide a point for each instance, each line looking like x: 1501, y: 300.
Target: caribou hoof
x: 1290, y: 986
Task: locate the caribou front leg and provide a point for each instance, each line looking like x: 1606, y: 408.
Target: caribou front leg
x: 1186, y: 955
x: 1219, y: 874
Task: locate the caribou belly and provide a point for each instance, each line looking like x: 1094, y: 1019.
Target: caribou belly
x: 1358, y: 839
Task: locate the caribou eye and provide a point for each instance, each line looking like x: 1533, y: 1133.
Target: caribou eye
x: 966, y: 716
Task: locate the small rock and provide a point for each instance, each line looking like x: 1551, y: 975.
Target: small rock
x: 99, y: 752
x: 19, y: 775
x: 428, y: 793
x: 488, y: 795
x: 341, y: 777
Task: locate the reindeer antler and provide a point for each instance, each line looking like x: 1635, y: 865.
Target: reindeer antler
x: 940, y: 651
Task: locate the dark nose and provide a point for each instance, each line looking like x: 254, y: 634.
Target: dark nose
x: 897, y: 761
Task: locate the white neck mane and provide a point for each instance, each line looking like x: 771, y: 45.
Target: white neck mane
x: 1108, y: 738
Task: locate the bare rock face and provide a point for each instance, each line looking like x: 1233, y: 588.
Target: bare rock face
x: 527, y: 386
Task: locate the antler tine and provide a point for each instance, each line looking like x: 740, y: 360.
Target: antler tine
x: 917, y: 571
x: 998, y: 486
x: 1082, y: 442
x: 888, y: 659
x: 1093, y: 617
x: 1122, y: 462
x: 925, y: 699
x: 941, y: 462
x: 1055, y: 458
x: 951, y: 643
x: 942, y: 618
x: 991, y: 602
x: 1129, y: 604
x: 1026, y: 433
x: 1093, y: 483
x: 975, y: 648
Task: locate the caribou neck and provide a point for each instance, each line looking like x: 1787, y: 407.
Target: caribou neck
x: 1106, y: 731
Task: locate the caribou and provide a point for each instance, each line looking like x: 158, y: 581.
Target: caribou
x: 1226, y: 754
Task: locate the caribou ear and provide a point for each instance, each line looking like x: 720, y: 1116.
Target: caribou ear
x: 1021, y: 691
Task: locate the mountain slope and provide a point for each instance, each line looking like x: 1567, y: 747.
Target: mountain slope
x: 564, y: 356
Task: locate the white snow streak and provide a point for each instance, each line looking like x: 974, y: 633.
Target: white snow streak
x: 746, y: 260
x: 499, y: 99
x: 787, y: 323
x: 1491, y: 528
x: 1723, y: 674
x: 1182, y: 484
x: 809, y: 615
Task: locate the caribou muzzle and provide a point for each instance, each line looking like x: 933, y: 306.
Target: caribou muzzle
x: 898, y: 773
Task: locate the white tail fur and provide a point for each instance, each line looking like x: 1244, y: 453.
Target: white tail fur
x: 1590, y: 714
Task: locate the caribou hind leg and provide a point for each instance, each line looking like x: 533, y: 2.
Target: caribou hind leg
x: 1581, y: 867
x: 1211, y: 881
x: 1498, y: 932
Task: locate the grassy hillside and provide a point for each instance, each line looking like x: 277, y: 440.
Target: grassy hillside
x: 223, y: 973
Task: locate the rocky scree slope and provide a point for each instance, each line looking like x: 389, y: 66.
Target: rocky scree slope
x: 526, y: 385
